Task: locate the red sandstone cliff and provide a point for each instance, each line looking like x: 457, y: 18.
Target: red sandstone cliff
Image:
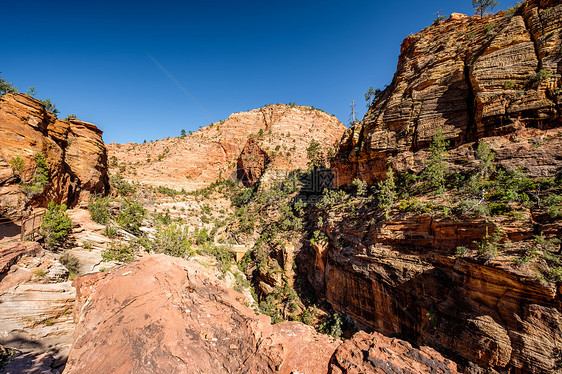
x: 279, y: 134
x: 73, y: 150
x: 469, y: 77
x: 496, y: 80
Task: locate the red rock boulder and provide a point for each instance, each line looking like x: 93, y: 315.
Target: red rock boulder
x: 166, y: 315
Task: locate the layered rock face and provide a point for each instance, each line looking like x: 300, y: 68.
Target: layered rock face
x: 279, y: 135
x: 251, y: 163
x: 166, y: 315
x: 470, y: 78
x: 402, y: 277
x: 496, y: 79
x: 35, y: 310
x: 74, y: 152
x: 375, y: 353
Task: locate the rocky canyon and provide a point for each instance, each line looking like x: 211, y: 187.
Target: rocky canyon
x: 425, y: 238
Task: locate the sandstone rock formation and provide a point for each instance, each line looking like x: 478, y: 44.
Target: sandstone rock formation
x: 35, y: 310
x: 283, y: 132
x: 251, y: 163
x: 375, y: 353
x: 496, y: 79
x: 164, y: 315
x: 470, y: 77
x: 402, y: 277
x: 73, y: 150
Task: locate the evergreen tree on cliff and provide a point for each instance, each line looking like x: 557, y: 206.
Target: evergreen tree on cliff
x: 6, y: 87
x: 482, y: 6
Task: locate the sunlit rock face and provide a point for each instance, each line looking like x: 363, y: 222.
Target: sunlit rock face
x: 162, y: 315
x: 74, y: 152
x: 470, y: 78
x: 224, y: 150
x: 496, y: 79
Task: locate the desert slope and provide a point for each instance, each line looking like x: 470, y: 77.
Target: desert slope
x: 283, y: 132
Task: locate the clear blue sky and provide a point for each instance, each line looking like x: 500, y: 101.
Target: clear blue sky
x: 91, y: 58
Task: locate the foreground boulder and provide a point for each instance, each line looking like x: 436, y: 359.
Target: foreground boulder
x: 375, y: 353
x: 166, y: 315
x: 43, y: 158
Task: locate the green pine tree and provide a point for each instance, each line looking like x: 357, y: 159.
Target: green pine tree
x: 436, y: 169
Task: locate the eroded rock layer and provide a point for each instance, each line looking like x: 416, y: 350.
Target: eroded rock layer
x: 375, y: 353
x: 167, y: 315
x: 468, y: 77
x: 403, y: 276
x: 279, y: 137
x: 74, y: 152
x: 251, y: 163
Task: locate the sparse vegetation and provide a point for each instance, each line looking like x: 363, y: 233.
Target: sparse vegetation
x: 333, y: 325
x: 372, y: 95
x: 315, y: 155
x: 387, y: 193
x: 6, y: 87
x: 18, y: 165
x: 436, y: 169
x: 56, y: 225
x: 71, y: 263
x: 121, y: 187
x: 131, y: 216
x: 40, y: 176
x: 120, y: 252
x: 539, y: 76
x: 50, y: 106
x: 40, y: 273
x: 554, y: 205
x: 438, y: 18
x: 490, y: 246
x: 99, y: 209
x: 483, y: 6
x: 172, y: 239
x: 110, y: 231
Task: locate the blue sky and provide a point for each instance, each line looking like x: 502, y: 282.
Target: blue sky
x: 92, y: 58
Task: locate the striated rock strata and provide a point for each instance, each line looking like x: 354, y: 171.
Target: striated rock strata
x: 35, y: 310
x: 74, y: 151
x: 275, y: 136
x: 496, y: 79
x: 470, y: 78
x: 402, y: 277
x: 166, y: 315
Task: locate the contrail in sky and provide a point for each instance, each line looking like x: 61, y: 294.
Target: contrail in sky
x: 180, y: 86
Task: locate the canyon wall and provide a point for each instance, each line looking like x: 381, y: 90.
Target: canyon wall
x: 468, y: 77
x: 496, y: 79
x: 271, y: 140
x: 43, y: 158
x: 402, y: 277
